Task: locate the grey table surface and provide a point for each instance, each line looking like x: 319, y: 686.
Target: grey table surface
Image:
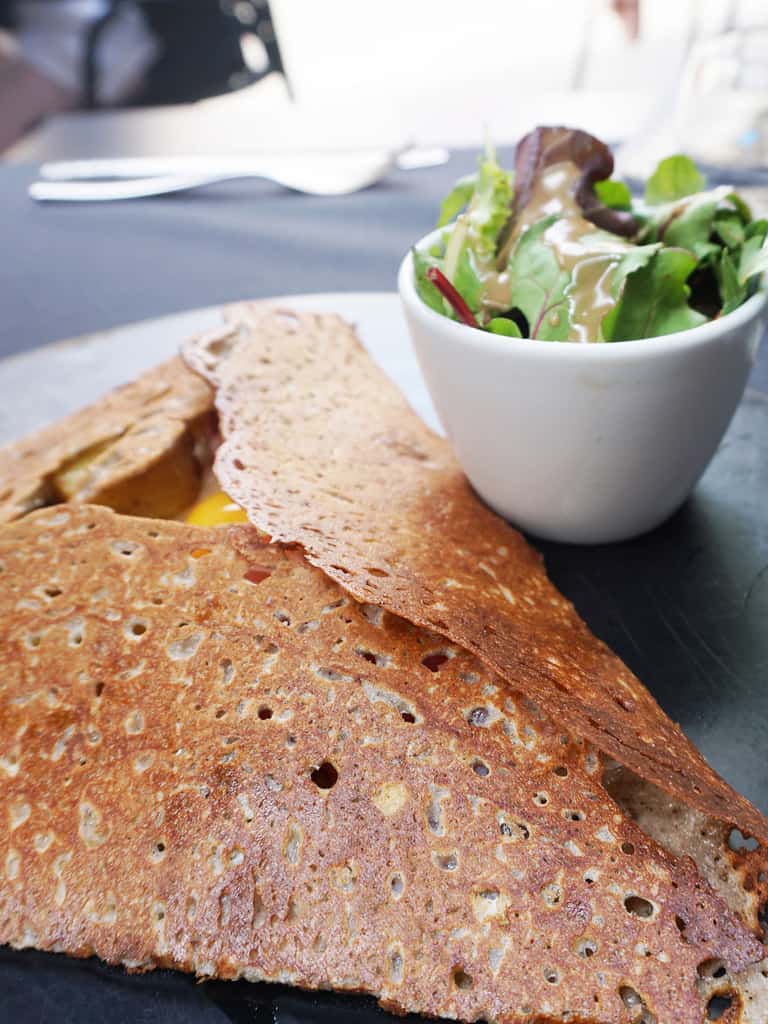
x: 69, y: 270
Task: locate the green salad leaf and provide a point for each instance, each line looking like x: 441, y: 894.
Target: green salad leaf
x: 674, y: 178
x: 539, y: 284
x: 427, y: 292
x: 613, y: 267
x: 755, y: 262
x: 614, y: 194
x: 732, y: 291
x: 742, y: 207
x: 706, y: 224
x: 753, y: 258
x: 757, y: 229
x: 654, y: 299
x: 488, y: 209
x: 503, y: 325
x: 467, y: 281
x: 728, y: 225
x: 631, y: 261
x: 692, y: 228
x: 457, y: 199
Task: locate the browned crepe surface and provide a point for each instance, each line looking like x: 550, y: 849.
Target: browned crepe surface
x: 732, y: 868
x: 213, y: 759
x: 322, y: 450
x: 133, y: 450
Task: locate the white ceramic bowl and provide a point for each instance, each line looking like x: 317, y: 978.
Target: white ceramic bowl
x: 583, y: 443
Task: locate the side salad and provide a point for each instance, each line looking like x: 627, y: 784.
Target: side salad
x: 559, y: 251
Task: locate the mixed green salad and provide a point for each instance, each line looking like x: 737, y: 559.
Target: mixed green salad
x: 560, y: 251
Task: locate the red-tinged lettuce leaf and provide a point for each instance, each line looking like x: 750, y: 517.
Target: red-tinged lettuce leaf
x: 538, y: 284
x: 654, y: 300
x: 545, y: 146
x: 674, y: 178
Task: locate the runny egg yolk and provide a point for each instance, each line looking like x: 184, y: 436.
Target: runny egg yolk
x: 216, y: 510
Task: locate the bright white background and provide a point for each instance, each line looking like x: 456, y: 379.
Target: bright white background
x: 427, y: 71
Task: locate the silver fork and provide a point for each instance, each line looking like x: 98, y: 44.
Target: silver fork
x: 320, y: 174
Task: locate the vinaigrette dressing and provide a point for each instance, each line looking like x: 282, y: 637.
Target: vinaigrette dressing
x: 587, y: 254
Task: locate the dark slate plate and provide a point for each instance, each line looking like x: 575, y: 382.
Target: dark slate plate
x: 686, y: 606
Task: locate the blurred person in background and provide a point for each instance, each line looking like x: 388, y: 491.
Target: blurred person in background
x: 629, y: 12
x: 60, y: 55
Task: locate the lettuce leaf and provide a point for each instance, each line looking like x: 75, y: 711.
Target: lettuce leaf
x: 732, y: 291
x: 546, y: 146
x: 753, y: 262
x: 427, y: 292
x: 654, y: 299
x: 674, y: 178
x: 503, y: 325
x: 729, y: 228
x: 629, y: 263
x: 680, y: 256
x: 488, y: 209
x: 742, y: 207
x: 697, y: 222
x: 467, y: 281
x: 707, y: 252
x: 457, y: 199
x: 753, y: 258
x: 757, y: 229
x: 614, y: 194
x: 538, y: 284
x: 487, y: 193
x: 693, y: 227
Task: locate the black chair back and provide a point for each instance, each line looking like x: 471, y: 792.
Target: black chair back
x: 200, y: 52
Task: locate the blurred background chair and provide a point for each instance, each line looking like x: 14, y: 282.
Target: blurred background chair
x: 200, y: 49
x: 94, y: 54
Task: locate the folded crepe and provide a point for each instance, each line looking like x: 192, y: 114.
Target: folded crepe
x: 138, y: 450
x: 321, y: 449
x: 214, y: 758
